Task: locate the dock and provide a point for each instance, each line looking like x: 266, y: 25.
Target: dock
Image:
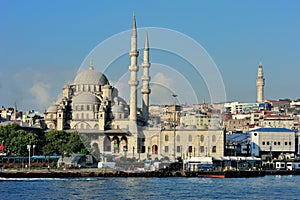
x: 113, y: 173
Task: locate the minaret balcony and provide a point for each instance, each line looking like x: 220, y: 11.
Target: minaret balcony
x: 145, y: 65
x: 134, y: 53
x: 146, y: 78
x: 134, y: 68
x: 133, y: 83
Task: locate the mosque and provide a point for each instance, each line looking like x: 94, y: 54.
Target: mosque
x: 91, y: 106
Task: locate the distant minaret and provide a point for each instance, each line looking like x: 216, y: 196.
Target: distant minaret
x: 15, y: 112
x: 146, y: 78
x: 260, y: 83
x: 133, y: 68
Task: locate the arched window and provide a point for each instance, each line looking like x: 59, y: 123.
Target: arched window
x: 213, y: 138
x: 166, y: 138
x: 214, y: 149
x: 190, y: 138
x: 202, y: 138
x: 81, y: 126
x: 178, y: 138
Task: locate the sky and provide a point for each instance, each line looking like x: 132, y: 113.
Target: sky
x: 43, y: 44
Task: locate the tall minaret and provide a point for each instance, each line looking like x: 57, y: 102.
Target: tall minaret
x: 133, y: 68
x: 260, y: 83
x: 146, y: 78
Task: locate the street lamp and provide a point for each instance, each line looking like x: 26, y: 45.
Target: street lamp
x: 174, y: 125
x: 29, y: 148
x: 33, y: 147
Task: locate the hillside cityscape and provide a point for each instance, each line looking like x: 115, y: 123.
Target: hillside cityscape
x: 90, y: 118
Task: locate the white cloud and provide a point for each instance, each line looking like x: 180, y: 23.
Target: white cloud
x: 40, y: 92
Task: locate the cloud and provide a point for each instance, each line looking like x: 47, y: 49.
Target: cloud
x: 41, y: 95
x: 163, y: 80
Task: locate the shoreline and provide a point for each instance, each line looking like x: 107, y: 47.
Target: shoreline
x: 78, y: 173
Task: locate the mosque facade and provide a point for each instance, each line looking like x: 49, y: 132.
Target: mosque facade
x: 91, y: 106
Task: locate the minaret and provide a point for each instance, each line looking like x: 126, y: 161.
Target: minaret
x: 260, y: 83
x: 15, y: 112
x: 146, y: 78
x: 133, y: 68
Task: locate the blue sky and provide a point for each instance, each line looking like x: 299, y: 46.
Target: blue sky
x: 43, y: 44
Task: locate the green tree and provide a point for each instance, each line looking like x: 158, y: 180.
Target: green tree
x: 55, y: 142
x: 74, y: 144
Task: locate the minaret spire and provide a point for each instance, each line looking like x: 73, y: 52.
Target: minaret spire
x: 260, y: 83
x: 91, y: 67
x: 146, y: 78
x: 133, y: 68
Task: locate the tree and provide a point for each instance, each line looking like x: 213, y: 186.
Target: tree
x: 74, y: 144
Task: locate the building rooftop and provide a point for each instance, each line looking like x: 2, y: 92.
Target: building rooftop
x: 272, y: 130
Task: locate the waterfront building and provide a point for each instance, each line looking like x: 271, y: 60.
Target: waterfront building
x: 237, y: 144
x: 180, y: 142
x: 272, y: 142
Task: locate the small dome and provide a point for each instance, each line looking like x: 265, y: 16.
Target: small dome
x: 117, y: 109
x: 86, y: 98
x: 91, y: 77
x: 52, y: 108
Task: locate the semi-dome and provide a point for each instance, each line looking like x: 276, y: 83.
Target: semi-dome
x: 52, y: 108
x: 85, y: 98
x: 91, y: 77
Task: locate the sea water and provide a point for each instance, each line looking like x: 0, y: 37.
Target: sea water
x: 268, y: 187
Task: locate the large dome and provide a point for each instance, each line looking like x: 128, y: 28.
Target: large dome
x: 91, y: 77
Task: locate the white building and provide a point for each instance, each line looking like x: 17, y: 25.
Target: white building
x: 272, y: 142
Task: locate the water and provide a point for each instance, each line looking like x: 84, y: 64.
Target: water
x: 268, y: 187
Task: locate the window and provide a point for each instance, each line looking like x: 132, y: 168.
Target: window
x: 88, y: 107
x: 290, y: 143
x: 178, y: 149
x: 166, y: 149
x: 263, y: 143
x: 278, y: 143
x: 178, y: 138
x: 201, y: 149
x: 202, y: 138
x: 268, y: 143
x: 87, y: 115
x: 285, y: 143
x: 214, y: 149
x: 214, y: 138
x: 82, y: 116
x: 166, y: 138
x: 275, y: 143
x: 190, y: 138
x: 190, y: 149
